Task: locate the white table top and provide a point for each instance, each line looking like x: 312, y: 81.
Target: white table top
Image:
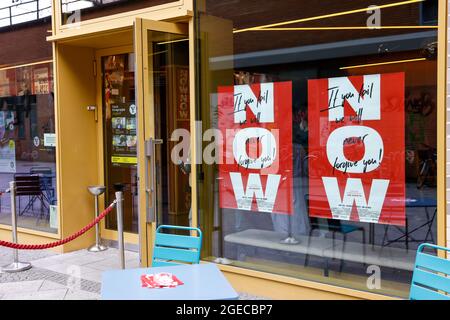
x: 201, y: 282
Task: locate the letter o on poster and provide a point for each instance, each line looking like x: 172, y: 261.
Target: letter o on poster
x: 373, y: 154
x: 268, y: 143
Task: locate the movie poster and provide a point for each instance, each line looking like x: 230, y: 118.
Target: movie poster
x: 255, y: 170
x: 357, y: 148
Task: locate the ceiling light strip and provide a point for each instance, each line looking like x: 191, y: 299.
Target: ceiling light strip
x: 382, y: 63
x: 172, y: 41
x: 346, y: 28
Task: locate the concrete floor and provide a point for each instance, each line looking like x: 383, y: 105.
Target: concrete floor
x: 70, y: 276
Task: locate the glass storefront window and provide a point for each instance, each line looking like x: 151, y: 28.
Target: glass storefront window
x: 27, y: 145
x: 74, y: 11
x: 323, y: 122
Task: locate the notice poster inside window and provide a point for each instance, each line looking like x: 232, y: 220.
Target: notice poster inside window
x: 8, y: 156
x: 357, y: 148
x: 7, y: 145
x: 256, y: 153
x: 124, y: 139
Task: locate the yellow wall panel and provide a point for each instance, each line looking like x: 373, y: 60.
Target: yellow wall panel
x: 77, y: 141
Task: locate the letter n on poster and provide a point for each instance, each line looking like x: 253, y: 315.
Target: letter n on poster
x: 256, y: 150
x: 357, y: 148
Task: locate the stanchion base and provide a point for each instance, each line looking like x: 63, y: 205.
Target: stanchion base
x: 97, y: 248
x: 17, y: 267
x: 290, y: 240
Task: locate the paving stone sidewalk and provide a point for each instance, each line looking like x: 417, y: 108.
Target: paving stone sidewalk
x: 69, y: 276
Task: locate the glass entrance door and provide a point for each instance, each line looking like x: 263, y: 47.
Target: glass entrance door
x: 120, y: 136
x: 163, y: 101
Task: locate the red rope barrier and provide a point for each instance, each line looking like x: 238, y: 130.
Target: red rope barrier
x: 60, y: 242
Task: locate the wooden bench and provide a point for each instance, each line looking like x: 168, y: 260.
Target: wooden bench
x: 323, y: 247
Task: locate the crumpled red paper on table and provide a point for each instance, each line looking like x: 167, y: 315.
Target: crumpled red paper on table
x: 160, y: 280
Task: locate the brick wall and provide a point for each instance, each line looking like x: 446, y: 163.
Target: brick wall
x: 27, y: 43
x: 24, y: 44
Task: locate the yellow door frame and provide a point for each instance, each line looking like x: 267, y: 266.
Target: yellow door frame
x: 168, y: 11
x: 146, y: 122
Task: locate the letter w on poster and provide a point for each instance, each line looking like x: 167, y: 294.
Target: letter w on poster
x: 357, y: 148
x: 256, y: 153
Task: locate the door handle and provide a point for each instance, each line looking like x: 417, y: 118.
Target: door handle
x: 151, y: 207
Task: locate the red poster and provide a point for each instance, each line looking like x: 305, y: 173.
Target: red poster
x: 182, y: 92
x: 357, y: 148
x: 256, y: 150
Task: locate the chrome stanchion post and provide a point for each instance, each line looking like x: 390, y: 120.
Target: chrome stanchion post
x: 16, y: 266
x: 119, y: 208
x: 96, y: 191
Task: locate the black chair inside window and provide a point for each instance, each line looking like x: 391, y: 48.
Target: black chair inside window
x: 46, y: 178
x: 332, y: 226
x: 30, y: 185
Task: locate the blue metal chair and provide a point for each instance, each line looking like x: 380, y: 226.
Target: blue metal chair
x: 431, y: 276
x: 173, y: 250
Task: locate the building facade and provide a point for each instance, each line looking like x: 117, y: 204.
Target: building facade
x: 307, y: 142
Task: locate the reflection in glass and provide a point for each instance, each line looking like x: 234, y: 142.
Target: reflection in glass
x: 27, y: 145
x: 362, y: 138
